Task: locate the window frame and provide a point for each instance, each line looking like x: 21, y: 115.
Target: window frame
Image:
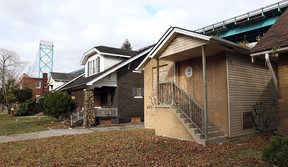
x: 38, y: 84
x: 137, y: 92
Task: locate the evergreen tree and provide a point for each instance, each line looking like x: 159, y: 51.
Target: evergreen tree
x: 126, y: 45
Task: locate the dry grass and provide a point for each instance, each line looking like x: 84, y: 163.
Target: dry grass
x: 14, y: 125
x: 129, y: 148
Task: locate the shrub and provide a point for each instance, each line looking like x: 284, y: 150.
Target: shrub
x: 22, y: 95
x: 276, y: 151
x: 29, y: 107
x: 57, y: 104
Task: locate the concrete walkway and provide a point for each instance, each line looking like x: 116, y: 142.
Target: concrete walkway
x: 60, y: 132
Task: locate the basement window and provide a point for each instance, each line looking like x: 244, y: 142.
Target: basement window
x: 137, y: 92
x: 247, y: 120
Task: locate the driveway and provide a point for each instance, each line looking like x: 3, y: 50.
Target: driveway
x: 60, y: 132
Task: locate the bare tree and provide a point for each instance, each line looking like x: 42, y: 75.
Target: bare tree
x: 10, y: 68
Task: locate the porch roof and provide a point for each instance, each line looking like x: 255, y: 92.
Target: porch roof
x: 178, y: 44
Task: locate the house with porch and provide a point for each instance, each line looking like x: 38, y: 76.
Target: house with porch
x: 109, y: 89
x: 205, y: 89
x: 273, y: 46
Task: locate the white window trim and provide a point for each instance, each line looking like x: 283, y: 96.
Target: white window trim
x: 38, y: 87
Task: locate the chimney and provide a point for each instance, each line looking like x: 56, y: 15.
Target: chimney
x: 44, y: 75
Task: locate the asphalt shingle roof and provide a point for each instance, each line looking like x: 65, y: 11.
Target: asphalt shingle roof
x: 276, y: 36
x: 106, y: 49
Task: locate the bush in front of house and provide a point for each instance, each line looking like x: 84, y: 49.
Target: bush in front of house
x: 57, y: 104
x: 276, y: 152
x: 29, y: 107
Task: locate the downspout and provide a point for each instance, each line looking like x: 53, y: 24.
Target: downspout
x: 272, y: 73
x: 157, y: 74
x: 205, y: 94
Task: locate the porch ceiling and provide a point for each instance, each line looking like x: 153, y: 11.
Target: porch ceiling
x: 210, y: 50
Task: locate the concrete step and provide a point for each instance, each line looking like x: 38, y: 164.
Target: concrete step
x: 214, y: 134
x: 218, y: 139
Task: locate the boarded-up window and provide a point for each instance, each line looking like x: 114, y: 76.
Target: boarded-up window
x: 247, y: 120
x: 163, y: 76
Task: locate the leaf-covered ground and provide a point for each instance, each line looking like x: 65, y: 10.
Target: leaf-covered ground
x: 130, y: 148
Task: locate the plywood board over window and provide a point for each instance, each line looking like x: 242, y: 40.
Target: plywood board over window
x: 163, y: 76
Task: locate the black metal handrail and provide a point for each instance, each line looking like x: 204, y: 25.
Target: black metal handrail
x: 170, y: 93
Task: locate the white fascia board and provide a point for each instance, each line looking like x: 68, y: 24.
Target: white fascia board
x: 160, y: 43
x: 117, y: 67
x: 116, y: 55
x: 87, y: 54
x: 60, y: 87
x: 192, y: 34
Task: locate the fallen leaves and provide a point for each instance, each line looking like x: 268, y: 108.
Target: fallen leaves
x: 129, y: 148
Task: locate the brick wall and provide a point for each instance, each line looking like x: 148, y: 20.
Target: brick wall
x: 283, y: 93
x: 78, y: 96
x: 216, y: 87
x: 149, y: 99
x: 128, y: 105
x: 31, y: 83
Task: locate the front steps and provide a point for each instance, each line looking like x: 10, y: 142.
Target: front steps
x: 214, y: 134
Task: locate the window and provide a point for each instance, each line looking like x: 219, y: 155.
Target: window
x: 247, y: 120
x: 38, y: 84
x: 137, y: 92
x: 94, y: 66
x: 163, y: 76
x: 90, y: 68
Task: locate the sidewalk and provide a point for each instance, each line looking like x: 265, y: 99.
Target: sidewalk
x: 60, y: 132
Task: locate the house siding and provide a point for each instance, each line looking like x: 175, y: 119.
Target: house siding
x: 216, y: 87
x: 249, y: 83
x: 109, y: 80
x: 182, y: 43
x: 128, y: 106
x: 283, y: 93
x: 110, y: 61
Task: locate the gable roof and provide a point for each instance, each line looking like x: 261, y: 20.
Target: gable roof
x: 173, y: 32
x: 83, y: 81
x: 62, y: 77
x: 108, y: 51
x: 275, y: 37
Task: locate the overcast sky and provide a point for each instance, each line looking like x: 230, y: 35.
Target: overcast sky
x: 75, y: 26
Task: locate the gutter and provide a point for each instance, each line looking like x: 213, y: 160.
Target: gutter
x: 268, y: 62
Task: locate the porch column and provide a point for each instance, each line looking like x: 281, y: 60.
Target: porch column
x: 205, y: 93
x: 89, y: 113
x: 157, y: 74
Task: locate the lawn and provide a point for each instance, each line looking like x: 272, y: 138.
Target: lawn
x: 14, y: 125
x: 130, y: 148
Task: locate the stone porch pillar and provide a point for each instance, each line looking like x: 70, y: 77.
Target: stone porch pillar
x: 89, y: 113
